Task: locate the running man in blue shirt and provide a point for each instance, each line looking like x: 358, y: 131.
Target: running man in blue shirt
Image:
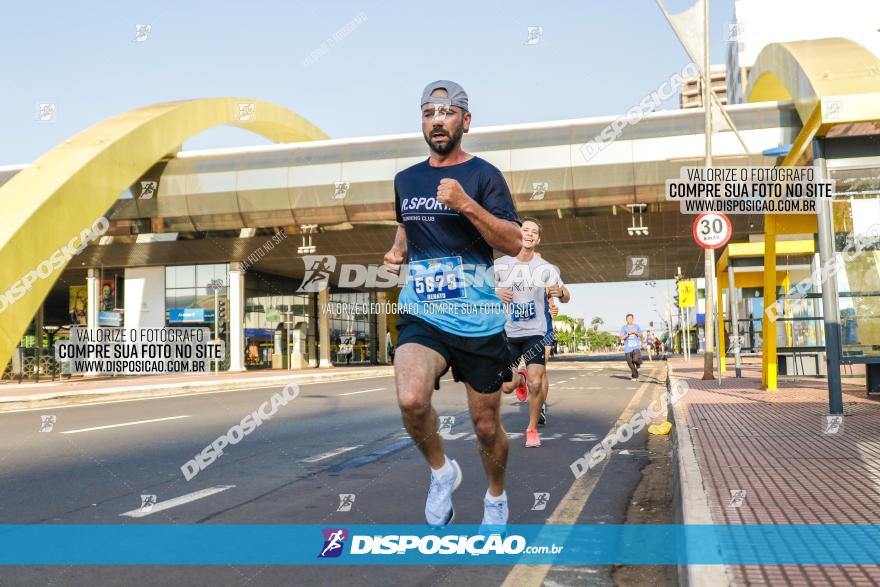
x: 631, y: 337
x: 453, y: 209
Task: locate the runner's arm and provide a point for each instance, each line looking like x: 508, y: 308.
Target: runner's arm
x: 396, y: 256
x: 566, y: 295
x: 502, y: 235
x: 561, y: 293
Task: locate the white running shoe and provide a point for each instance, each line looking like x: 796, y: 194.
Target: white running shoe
x: 494, y: 516
x: 438, y: 507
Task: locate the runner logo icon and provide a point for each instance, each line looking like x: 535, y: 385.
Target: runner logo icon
x: 318, y: 270
x: 334, y: 541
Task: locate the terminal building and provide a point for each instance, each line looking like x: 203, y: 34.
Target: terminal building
x: 253, y: 218
x: 237, y: 239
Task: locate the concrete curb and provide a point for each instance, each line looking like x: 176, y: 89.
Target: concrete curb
x: 692, y: 500
x: 88, y: 396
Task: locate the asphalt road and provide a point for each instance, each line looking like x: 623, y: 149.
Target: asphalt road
x: 334, y: 438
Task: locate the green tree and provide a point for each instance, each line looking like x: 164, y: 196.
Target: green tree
x: 600, y: 340
x: 573, y: 335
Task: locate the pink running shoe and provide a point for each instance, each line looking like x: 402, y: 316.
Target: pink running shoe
x: 532, y: 438
x: 522, y: 392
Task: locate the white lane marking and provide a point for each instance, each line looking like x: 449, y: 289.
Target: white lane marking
x: 364, y: 391
x: 164, y: 505
x: 330, y: 453
x: 123, y: 424
x: 145, y: 399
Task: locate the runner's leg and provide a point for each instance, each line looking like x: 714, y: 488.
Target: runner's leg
x: 517, y: 379
x: 544, y: 409
x: 485, y: 409
x: 509, y: 386
x: 632, y: 367
x: 538, y: 395
x: 416, y: 368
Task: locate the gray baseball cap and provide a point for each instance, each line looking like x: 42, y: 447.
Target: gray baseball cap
x: 456, y: 94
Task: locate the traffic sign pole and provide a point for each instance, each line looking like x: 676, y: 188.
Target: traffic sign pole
x: 709, y: 315
x: 686, y: 336
x: 712, y: 230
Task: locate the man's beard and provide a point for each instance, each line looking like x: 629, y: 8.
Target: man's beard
x: 451, y: 144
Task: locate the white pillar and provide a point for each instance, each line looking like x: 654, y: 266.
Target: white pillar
x: 236, y: 317
x: 324, y: 327
x: 93, y: 289
x: 381, y: 328
x: 144, y: 298
x: 312, y: 330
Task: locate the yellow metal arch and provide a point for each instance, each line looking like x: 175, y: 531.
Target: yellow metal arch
x: 831, y: 81
x: 71, y: 186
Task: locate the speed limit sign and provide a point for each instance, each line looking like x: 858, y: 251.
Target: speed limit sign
x: 712, y: 230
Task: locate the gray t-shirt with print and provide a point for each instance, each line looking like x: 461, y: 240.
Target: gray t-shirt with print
x: 529, y: 281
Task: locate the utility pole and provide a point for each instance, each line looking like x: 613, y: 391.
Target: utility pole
x: 709, y: 320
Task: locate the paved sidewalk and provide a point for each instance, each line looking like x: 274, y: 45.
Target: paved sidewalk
x: 15, y: 396
x: 773, y: 446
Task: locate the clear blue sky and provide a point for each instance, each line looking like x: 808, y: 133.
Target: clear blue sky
x: 596, y: 57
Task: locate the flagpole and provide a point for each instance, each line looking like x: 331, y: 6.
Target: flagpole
x: 694, y: 59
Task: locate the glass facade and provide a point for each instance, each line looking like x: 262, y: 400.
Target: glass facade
x: 266, y: 308
x: 189, y: 301
x: 856, y: 232
x: 187, y: 286
x: 352, y: 336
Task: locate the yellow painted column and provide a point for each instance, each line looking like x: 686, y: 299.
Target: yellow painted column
x: 768, y: 351
x: 719, y: 316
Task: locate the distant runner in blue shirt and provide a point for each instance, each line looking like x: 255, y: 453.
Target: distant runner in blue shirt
x: 631, y: 337
x: 453, y: 209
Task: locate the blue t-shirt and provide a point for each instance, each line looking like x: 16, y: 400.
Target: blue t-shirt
x: 548, y: 317
x: 632, y: 342
x: 451, y: 280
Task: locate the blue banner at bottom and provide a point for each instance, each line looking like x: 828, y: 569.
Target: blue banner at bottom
x: 210, y: 544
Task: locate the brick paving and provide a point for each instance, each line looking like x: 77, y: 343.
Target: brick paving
x: 773, y: 446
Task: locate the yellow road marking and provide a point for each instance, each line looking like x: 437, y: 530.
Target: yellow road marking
x: 572, y: 504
